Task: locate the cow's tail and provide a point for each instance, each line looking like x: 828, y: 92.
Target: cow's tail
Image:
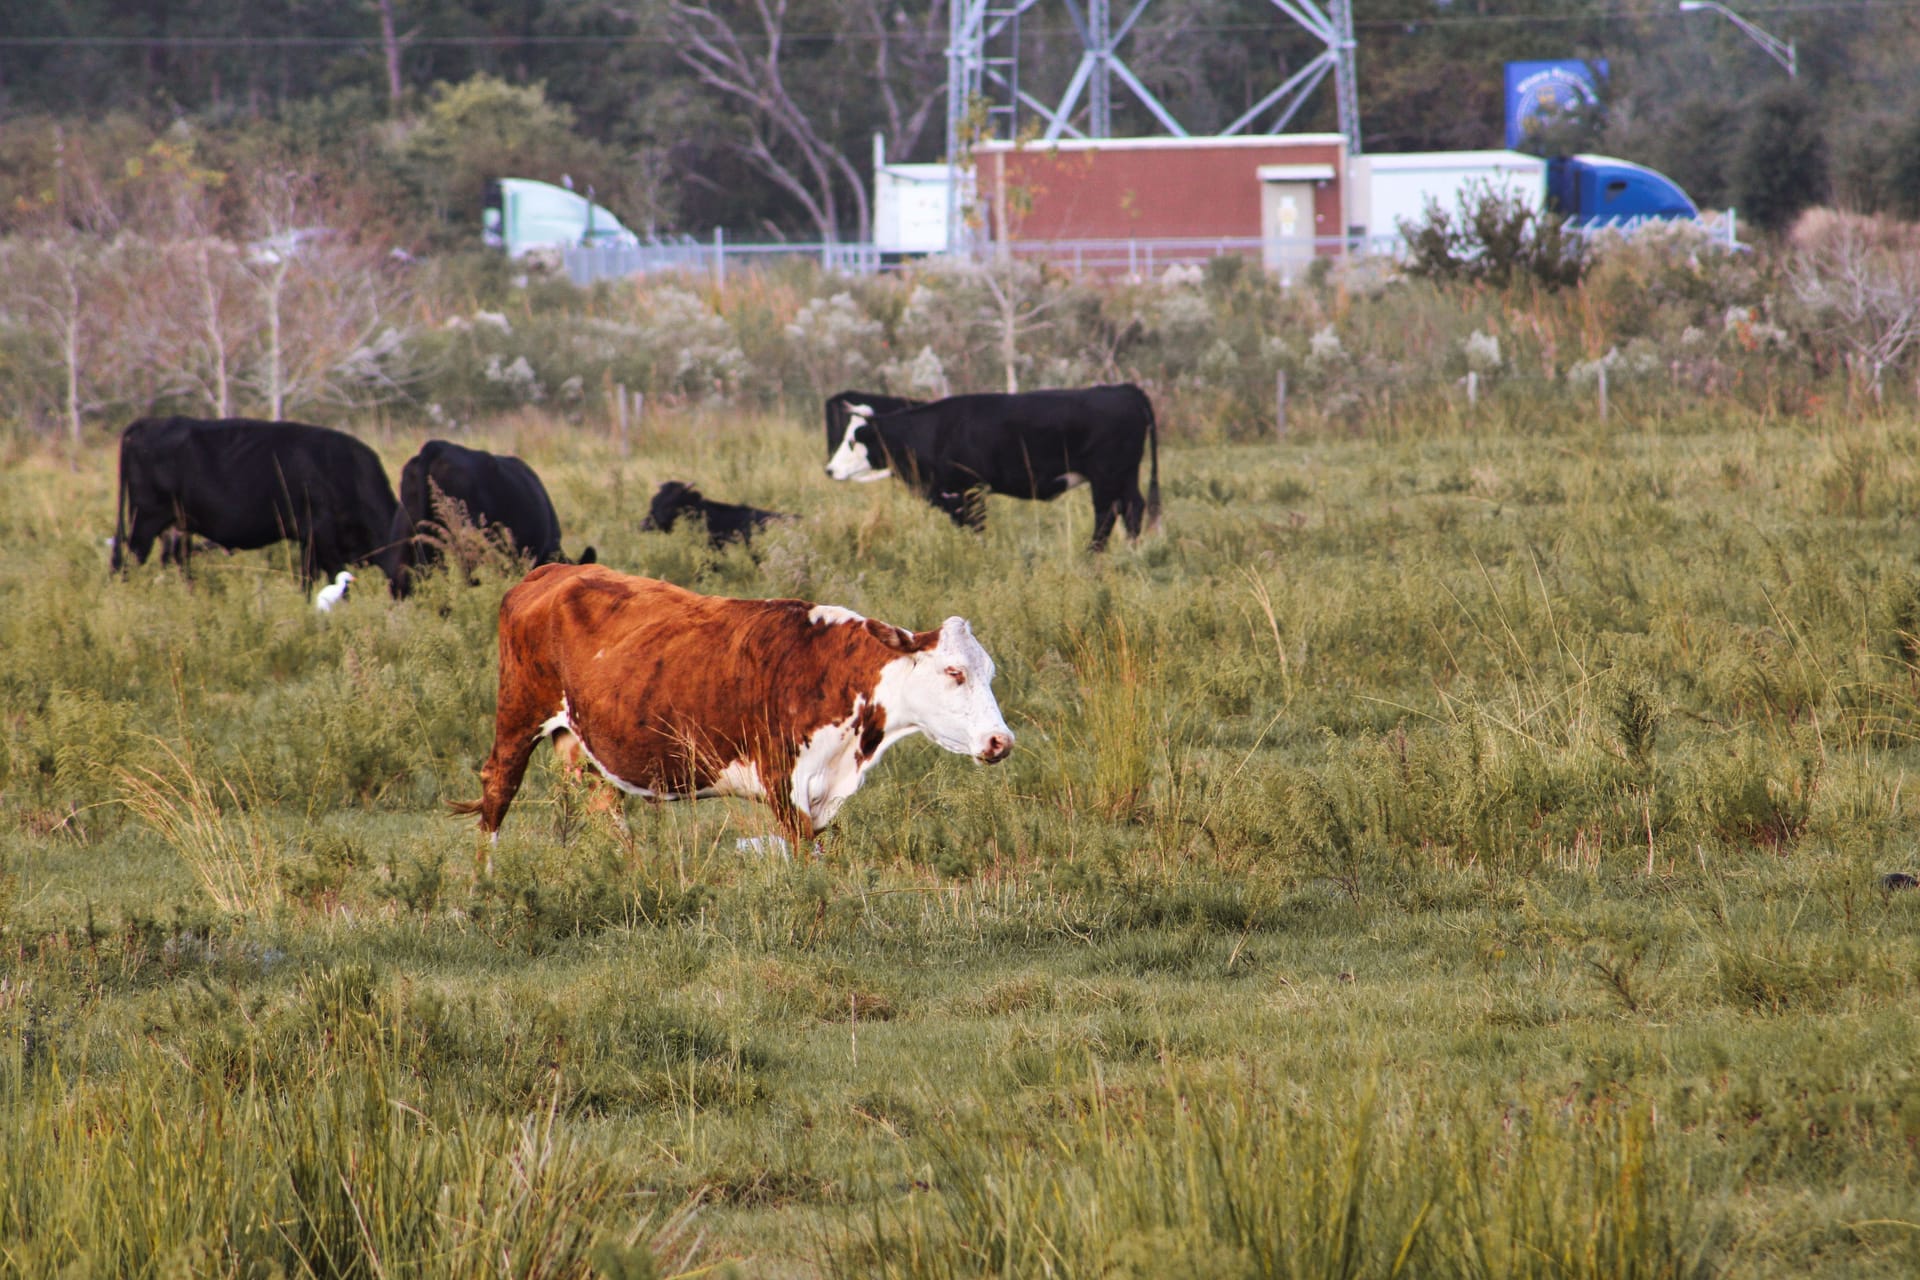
x: 1153, y: 467
x: 464, y: 808
x: 120, y: 504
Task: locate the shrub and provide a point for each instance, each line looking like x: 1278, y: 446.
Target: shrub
x: 1494, y: 237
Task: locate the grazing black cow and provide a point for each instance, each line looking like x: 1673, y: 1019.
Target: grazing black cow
x: 1037, y: 444
x: 242, y: 484
x: 724, y: 521
x: 844, y: 407
x: 493, y: 490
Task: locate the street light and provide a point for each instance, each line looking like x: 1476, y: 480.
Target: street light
x: 1781, y: 51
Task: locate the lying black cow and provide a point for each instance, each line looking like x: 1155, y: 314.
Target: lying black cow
x: 242, y: 484
x: 843, y: 408
x: 494, y: 491
x: 724, y: 521
x: 1037, y: 444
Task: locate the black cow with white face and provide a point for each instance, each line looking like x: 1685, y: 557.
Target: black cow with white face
x: 848, y: 405
x: 724, y: 521
x: 1035, y: 444
x: 493, y: 491
x: 241, y: 483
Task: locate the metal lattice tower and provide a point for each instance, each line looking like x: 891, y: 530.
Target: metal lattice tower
x: 985, y: 99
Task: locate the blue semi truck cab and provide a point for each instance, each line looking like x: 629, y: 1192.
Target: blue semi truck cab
x: 1599, y: 191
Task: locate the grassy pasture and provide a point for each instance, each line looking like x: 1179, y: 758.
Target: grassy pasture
x: 1453, y: 852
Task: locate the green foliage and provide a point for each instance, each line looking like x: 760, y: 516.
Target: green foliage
x: 1495, y: 237
x: 1903, y: 177
x: 1779, y: 161
x: 481, y: 129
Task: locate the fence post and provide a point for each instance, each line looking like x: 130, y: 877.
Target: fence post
x: 1473, y: 388
x: 620, y: 415
x: 1601, y: 382
x: 719, y: 258
x: 1280, y: 404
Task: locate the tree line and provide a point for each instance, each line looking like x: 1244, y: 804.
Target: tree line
x: 758, y: 115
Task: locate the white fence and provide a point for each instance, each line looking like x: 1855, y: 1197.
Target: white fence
x: 1135, y: 257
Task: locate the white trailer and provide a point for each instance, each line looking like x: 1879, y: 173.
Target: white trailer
x: 1385, y: 190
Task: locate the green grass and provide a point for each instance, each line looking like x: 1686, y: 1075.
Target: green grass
x: 1448, y: 852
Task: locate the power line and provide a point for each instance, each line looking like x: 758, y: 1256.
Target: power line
x: 497, y: 41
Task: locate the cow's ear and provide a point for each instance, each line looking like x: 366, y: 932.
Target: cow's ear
x: 899, y: 639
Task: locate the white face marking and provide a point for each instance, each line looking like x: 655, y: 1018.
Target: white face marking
x: 857, y: 413
x: 946, y: 692
x: 829, y: 614
x: 850, y: 461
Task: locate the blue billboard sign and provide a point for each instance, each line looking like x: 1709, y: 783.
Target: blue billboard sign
x: 1545, y: 89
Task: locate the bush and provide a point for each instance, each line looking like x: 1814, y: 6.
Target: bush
x: 1495, y: 237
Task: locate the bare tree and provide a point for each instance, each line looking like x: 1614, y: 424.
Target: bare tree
x: 907, y: 51
x: 271, y: 263
x: 390, y: 46
x: 327, y: 306
x: 1019, y: 292
x: 197, y: 321
x: 782, y: 141
x: 59, y: 273
x: 1861, y: 295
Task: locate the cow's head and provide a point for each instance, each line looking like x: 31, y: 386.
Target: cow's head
x: 942, y: 685
x: 860, y: 455
x: 669, y: 500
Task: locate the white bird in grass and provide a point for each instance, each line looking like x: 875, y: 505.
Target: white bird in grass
x: 327, y: 597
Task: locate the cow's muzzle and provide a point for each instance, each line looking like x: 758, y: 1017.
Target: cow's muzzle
x: 999, y: 746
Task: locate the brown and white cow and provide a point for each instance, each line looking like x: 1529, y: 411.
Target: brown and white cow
x: 674, y: 695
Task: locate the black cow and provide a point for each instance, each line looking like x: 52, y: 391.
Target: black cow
x: 242, y: 484
x: 1037, y: 444
x: 841, y: 410
x: 493, y: 490
x: 724, y: 521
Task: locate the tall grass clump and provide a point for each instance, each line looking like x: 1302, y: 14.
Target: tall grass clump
x: 1226, y: 1181
x: 1122, y: 728
x: 228, y: 842
x: 153, y: 1175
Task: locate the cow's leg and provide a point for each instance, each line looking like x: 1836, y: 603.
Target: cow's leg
x: 1106, y: 508
x: 145, y: 528
x: 1133, y: 512
x: 518, y: 727
x: 602, y: 796
x: 794, y: 822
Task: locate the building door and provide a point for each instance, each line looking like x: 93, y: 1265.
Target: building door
x: 1287, y: 228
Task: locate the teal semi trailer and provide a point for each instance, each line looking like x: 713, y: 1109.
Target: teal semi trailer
x: 522, y: 215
